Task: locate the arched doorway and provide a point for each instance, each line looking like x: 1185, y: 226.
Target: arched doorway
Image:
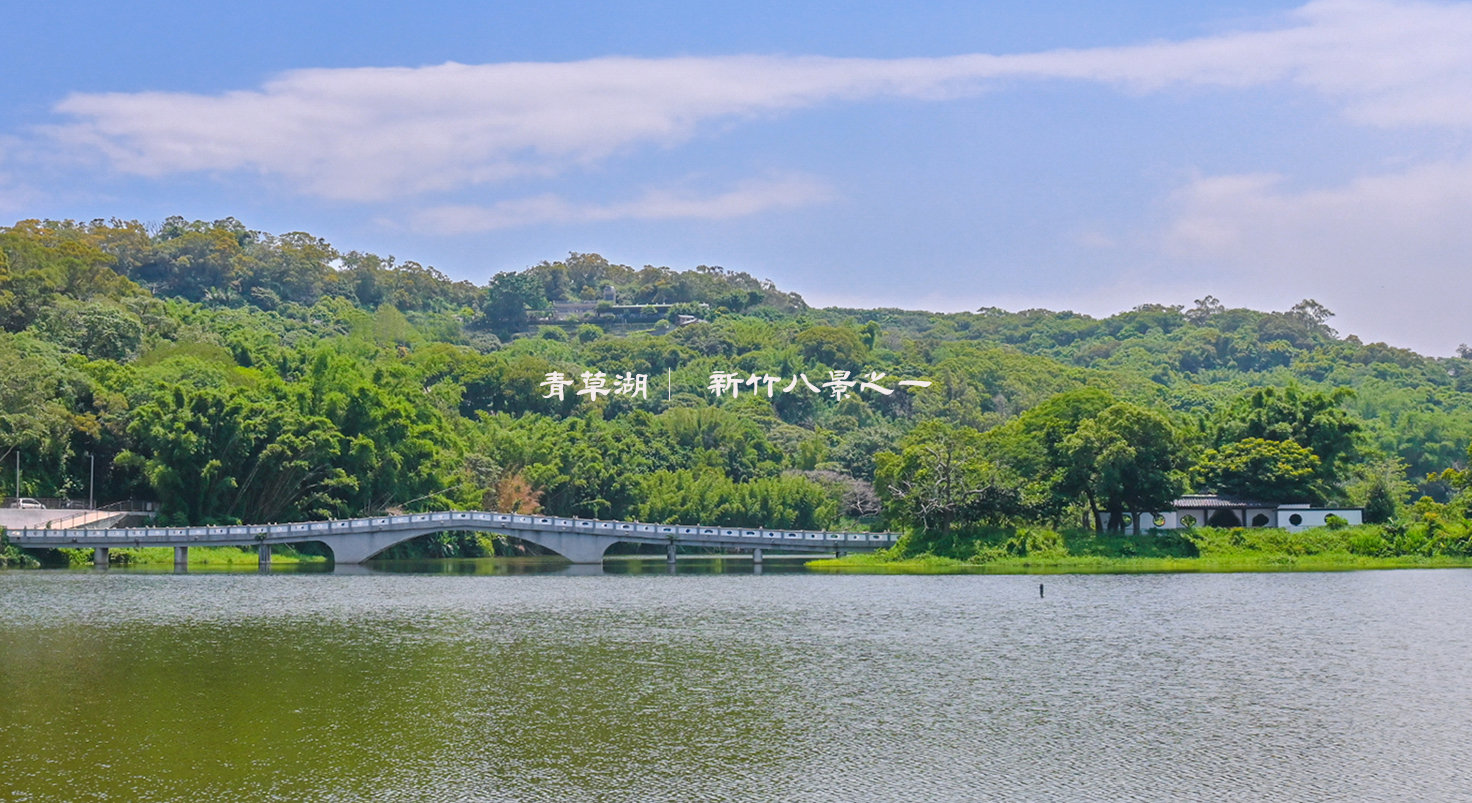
x: 1224, y: 518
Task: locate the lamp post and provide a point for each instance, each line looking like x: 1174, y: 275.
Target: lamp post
x: 92, y: 483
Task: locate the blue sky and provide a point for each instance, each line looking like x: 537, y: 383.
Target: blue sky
x: 942, y: 155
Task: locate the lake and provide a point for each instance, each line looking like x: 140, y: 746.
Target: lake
x: 449, y: 683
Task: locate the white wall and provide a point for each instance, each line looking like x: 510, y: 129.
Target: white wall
x: 1314, y: 517
x: 1310, y: 517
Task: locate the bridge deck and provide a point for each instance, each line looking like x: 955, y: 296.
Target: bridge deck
x: 533, y: 528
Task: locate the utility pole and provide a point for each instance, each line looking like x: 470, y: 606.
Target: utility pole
x: 92, y: 484
x: 17, y: 473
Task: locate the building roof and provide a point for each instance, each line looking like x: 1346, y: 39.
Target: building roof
x: 1213, y: 502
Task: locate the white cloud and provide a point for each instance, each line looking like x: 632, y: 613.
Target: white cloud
x: 373, y: 133
x: 1390, y: 252
x: 748, y: 198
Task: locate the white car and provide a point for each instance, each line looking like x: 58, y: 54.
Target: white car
x: 26, y: 503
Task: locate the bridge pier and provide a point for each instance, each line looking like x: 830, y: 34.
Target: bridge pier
x: 99, y: 557
x: 756, y: 556
x: 264, y: 551
x: 181, y: 557
x: 669, y: 552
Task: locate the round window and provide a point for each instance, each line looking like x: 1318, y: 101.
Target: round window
x: 1159, y: 520
x: 1295, y: 519
x: 1188, y: 520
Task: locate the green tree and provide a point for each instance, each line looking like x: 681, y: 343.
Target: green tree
x: 42, y: 261
x: 1312, y: 419
x: 101, y: 330
x: 1124, y: 460
x: 1033, y: 442
x: 44, y: 413
x: 508, y: 297
x: 1381, y: 489
x: 706, y: 496
x: 187, y: 445
x: 833, y: 346
x: 1262, y: 470
x: 942, y: 477
x: 216, y: 455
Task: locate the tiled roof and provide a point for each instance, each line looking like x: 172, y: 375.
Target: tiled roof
x: 1212, y: 501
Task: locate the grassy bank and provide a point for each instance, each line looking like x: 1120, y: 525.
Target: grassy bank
x: 15, y: 557
x: 1041, y: 551
x: 221, y: 556
x: 930, y: 564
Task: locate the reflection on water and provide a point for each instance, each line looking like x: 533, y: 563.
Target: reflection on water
x: 687, y: 564
x: 501, y: 681
x: 715, y: 564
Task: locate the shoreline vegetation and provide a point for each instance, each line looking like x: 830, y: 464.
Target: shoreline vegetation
x: 931, y: 564
x: 991, y: 551
x: 12, y: 556
x: 235, y: 376
x: 1040, y: 551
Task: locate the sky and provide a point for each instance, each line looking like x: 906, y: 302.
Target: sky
x: 938, y: 155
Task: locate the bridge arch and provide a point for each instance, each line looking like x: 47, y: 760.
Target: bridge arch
x: 359, y: 547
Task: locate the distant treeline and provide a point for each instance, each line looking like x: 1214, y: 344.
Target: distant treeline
x: 235, y: 375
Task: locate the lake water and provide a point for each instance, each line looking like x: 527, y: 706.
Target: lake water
x: 641, y: 686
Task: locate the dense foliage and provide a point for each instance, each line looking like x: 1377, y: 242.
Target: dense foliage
x: 234, y: 375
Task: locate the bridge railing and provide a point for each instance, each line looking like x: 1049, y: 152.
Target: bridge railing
x: 48, y: 502
x: 307, y: 531
x: 79, y: 520
x: 106, y: 511
x: 69, y: 503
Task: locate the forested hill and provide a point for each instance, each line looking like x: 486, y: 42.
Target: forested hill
x: 240, y: 376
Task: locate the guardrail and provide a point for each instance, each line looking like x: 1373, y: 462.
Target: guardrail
x: 307, y: 531
x: 79, y: 520
x: 67, y: 503
x: 48, y: 502
x: 131, y: 506
x: 106, y: 511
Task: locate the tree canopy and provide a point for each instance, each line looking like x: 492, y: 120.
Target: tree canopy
x: 236, y: 375
x: 1263, y: 470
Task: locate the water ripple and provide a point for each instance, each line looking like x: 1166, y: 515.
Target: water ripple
x: 1303, y: 687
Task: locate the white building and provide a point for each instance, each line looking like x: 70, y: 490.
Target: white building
x: 1210, y: 510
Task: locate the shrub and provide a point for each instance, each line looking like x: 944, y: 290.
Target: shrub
x: 1037, y: 542
x: 1334, y: 522
x: 1369, y: 543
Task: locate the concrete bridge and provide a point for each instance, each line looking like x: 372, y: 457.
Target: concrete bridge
x: 357, y: 540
